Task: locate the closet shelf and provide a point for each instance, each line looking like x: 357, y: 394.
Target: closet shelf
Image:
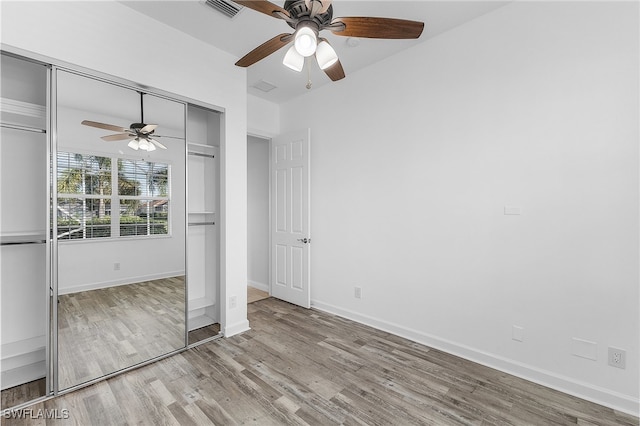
x: 200, y: 145
x: 27, y: 109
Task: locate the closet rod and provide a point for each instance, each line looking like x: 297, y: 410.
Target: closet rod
x: 15, y: 243
x: 25, y: 128
x: 201, y: 223
x: 199, y: 154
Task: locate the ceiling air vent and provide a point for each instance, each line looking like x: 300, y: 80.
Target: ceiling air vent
x: 265, y: 86
x: 227, y: 8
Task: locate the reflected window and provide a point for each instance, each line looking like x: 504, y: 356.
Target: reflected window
x: 102, y: 197
x: 143, y: 188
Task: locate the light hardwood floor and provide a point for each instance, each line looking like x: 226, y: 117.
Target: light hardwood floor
x: 23, y: 393
x: 254, y: 294
x: 298, y: 366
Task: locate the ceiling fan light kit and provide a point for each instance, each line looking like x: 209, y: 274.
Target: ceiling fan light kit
x: 325, y: 55
x: 139, y: 134
x: 306, y: 41
x: 308, y: 18
x: 293, y: 59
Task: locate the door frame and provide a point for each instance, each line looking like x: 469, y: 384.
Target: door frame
x: 268, y: 139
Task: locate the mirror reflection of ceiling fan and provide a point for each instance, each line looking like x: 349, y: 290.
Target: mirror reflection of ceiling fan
x: 308, y: 18
x: 139, y: 134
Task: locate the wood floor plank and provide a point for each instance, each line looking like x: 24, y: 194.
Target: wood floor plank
x: 305, y: 367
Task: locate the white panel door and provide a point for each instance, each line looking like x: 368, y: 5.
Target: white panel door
x: 290, y: 236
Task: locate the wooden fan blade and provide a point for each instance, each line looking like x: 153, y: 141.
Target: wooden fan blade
x: 148, y: 128
x: 335, y: 71
x: 118, y: 137
x: 325, y: 5
x: 104, y: 126
x: 156, y: 143
x: 323, y: 9
x: 170, y: 137
x: 264, y: 6
x: 264, y: 50
x: 367, y: 27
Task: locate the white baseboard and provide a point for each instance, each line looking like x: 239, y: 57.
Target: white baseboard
x: 202, y: 312
x: 22, y: 375
x: 200, y: 321
x: 233, y: 329
x: 258, y: 285
x: 115, y: 283
x: 23, y: 361
x: 608, y: 398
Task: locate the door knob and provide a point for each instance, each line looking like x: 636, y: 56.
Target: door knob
x: 304, y: 240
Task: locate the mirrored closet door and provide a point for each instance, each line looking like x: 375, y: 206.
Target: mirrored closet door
x: 119, y: 227
x: 109, y: 224
x: 24, y: 218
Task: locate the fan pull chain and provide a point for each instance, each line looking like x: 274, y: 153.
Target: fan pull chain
x: 308, y: 73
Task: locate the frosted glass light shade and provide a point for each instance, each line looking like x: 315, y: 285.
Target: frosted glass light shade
x: 293, y: 59
x: 325, y: 55
x: 306, y: 41
x: 142, y: 144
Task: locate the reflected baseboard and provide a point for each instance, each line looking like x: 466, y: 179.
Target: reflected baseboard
x: 116, y: 283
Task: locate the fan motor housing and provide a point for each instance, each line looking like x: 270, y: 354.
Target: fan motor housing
x: 300, y: 13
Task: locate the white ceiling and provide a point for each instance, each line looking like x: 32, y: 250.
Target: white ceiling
x: 248, y: 29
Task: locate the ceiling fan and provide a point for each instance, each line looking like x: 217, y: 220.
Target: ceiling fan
x: 138, y: 133
x: 308, y: 18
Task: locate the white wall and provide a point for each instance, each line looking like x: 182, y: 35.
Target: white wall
x: 258, y: 212
x: 97, y: 35
x: 263, y: 117
x: 535, y: 106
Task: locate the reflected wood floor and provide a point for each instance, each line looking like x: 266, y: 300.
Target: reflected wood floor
x: 298, y: 366
x: 106, y: 330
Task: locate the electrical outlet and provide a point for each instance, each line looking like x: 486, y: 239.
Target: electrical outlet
x: 116, y: 266
x: 233, y: 302
x: 357, y: 292
x: 617, y: 358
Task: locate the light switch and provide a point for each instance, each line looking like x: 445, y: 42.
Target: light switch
x: 584, y: 349
x: 512, y: 210
x: 517, y: 333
